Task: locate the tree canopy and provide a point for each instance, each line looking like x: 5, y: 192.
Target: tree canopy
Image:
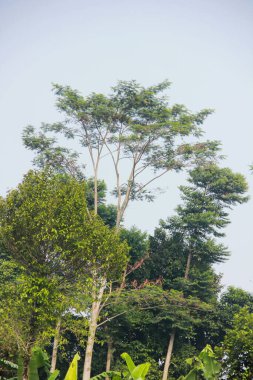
x: 133, y: 124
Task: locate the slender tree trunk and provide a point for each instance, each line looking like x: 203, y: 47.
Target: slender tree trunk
x: 109, y: 356
x: 188, y: 265
x: 55, y: 346
x: 120, y: 212
x: 109, y: 342
x: 122, y: 285
x: 173, y: 334
x: 96, y: 192
x: 92, y: 331
x: 118, y: 220
x: 89, y: 346
x: 26, y: 362
x: 29, y: 346
x: 168, y: 356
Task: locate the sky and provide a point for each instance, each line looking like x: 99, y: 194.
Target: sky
x: 204, y: 47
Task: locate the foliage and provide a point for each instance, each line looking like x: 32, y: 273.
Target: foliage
x: 133, y: 372
x: 205, y: 364
x: 8, y: 369
x: 63, y: 250
x: 145, y: 316
x: 203, y: 214
x: 236, y: 351
x: 38, y: 366
x: 189, y: 236
x: 133, y: 123
x: 41, y: 222
x: 138, y: 242
x: 46, y: 227
x: 28, y: 312
x: 58, y: 245
x: 231, y: 302
x: 198, y: 222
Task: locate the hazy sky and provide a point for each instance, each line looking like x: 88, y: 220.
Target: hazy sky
x: 204, y: 47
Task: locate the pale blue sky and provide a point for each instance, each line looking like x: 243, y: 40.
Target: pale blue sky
x: 204, y: 47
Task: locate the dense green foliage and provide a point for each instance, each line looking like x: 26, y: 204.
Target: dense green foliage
x: 55, y: 246
x: 74, y: 279
x: 48, y: 234
x: 205, y: 365
x: 132, y: 372
x: 236, y: 352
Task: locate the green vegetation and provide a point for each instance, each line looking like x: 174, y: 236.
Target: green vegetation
x: 203, y: 365
x: 77, y: 285
x: 132, y: 372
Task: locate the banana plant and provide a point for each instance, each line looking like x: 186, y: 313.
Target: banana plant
x: 39, y: 360
x: 204, y: 364
x: 133, y: 372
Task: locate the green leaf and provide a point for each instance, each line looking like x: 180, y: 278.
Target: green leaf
x: 192, y: 375
x: 211, y: 367
x: 129, y: 361
x: 72, y: 371
x: 54, y: 375
x: 112, y: 374
x: 140, y: 371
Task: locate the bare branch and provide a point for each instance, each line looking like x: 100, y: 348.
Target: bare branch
x: 153, y: 179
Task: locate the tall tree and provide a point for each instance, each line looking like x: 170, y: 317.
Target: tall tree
x: 133, y: 124
x: 200, y: 219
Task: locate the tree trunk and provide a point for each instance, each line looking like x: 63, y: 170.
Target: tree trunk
x: 188, y: 265
x: 55, y: 346
x: 168, y: 356
x: 95, y: 193
x: 173, y: 334
x: 25, y: 373
x: 109, y: 357
x: 92, y: 331
x: 122, y: 285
